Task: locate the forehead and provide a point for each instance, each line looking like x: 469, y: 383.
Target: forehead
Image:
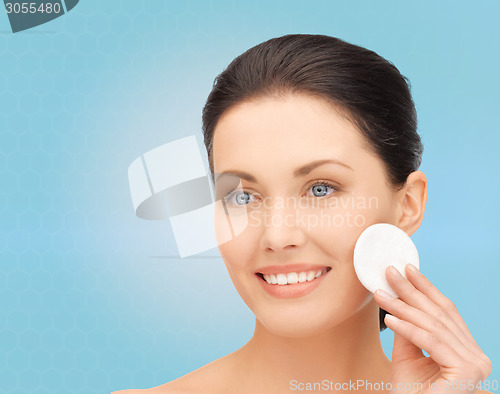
x: 284, y: 131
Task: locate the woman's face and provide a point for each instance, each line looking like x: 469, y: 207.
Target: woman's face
x: 311, y: 217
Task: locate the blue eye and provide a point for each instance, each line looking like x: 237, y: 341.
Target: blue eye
x: 320, y: 188
x: 240, y: 198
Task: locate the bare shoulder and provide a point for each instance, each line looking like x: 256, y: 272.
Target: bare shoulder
x: 210, y: 378
x: 483, y: 392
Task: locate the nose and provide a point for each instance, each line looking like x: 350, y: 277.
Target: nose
x: 282, y: 230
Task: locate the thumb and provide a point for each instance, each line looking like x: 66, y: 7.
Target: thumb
x: 404, y: 350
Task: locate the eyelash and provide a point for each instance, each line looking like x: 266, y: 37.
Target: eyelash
x: 326, y: 183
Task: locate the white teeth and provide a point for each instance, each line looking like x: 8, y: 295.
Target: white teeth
x: 293, y: 277
x: 281, y: 278
x: 302, y: 277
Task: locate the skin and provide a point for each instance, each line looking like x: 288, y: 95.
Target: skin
x: 333, y: 332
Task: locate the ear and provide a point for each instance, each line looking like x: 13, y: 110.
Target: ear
x: 412, y: 199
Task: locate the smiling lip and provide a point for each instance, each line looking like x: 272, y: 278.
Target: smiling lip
x: 290, y: 290
x: 286, y: 268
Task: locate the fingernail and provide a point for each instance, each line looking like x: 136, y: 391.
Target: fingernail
x: 384, y: 294
x: 395, y: 271
x: 412, y: 268
x: 391, y: 318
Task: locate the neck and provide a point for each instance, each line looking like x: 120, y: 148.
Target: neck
x: 344, y: 353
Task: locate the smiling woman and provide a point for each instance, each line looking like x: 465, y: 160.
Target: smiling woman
x: 322, y: 136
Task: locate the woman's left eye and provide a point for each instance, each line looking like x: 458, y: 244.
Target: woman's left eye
x: 319, y: 189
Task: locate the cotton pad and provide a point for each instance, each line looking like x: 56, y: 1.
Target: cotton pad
x: 379, y: 246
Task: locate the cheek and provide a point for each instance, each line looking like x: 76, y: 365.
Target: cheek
x: 239, y: 256
x: 237, y: 243
x: 337, y: 227
x: 349, y: 214
x: 337, y: 242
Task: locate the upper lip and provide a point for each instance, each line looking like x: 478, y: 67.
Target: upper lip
x: 286, y: 268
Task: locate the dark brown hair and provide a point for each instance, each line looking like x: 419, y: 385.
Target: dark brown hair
x: 368, y: 89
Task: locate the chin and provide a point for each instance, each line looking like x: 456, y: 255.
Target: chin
x: 297, y: 325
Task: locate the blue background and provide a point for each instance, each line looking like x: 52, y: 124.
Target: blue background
x: 87, y: 302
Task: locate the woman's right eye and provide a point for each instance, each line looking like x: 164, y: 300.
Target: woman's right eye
x: 238, y: 198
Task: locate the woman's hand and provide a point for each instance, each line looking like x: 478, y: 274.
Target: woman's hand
x: 427, y: 320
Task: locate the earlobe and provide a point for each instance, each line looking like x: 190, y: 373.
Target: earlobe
x: 413, y: 199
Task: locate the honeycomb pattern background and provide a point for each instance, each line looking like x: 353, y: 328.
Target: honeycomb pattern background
x: 89, y: 302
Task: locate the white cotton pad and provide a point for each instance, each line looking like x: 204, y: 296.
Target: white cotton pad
x: 379, y: 246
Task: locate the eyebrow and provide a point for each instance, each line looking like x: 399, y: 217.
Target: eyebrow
x: 298, y: 172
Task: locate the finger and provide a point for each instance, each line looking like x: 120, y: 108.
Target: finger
x: 440, y: 352
x: 421, y: 319
x: 404, y: 350
x: 414, y: 297
x: 450, y: 316
x: 426, y: 287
